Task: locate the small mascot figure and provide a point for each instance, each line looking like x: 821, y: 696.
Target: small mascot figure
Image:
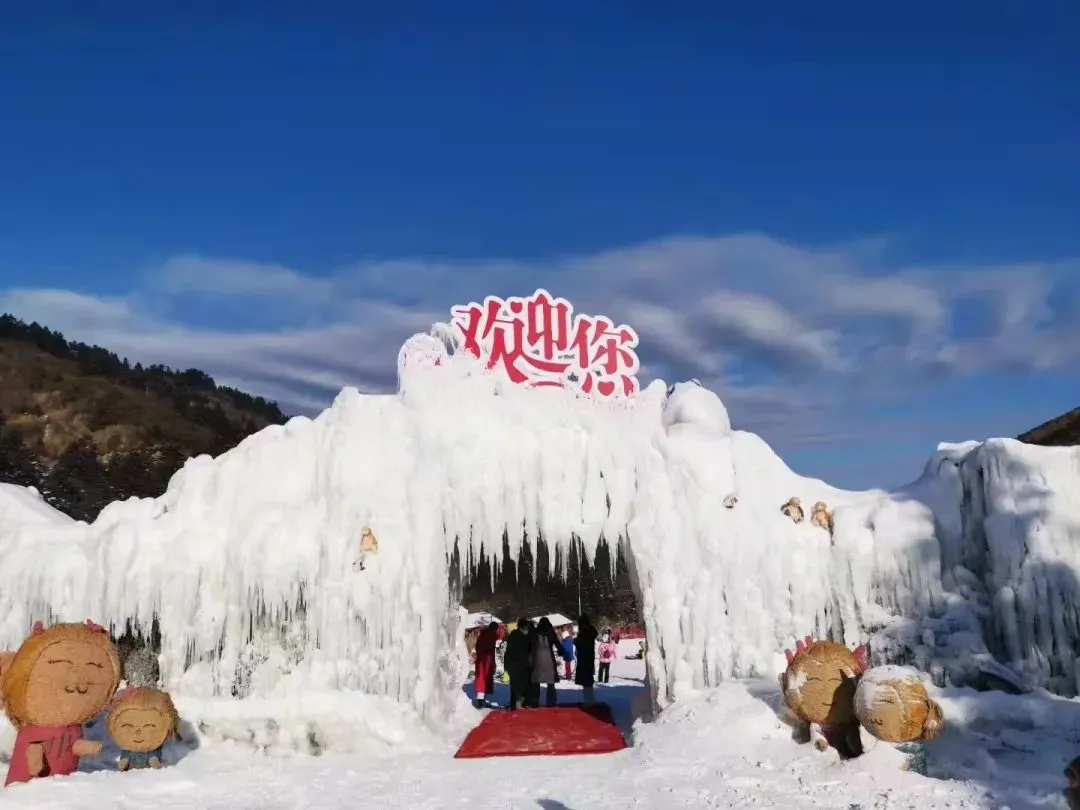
x: 1072, y: 789
x: 141, y: 719
x: 892, y: 704
x: 56, y: 682
x: 819, y: 689
x: 369, y: 544
x: 793, y: 509
x: 821, y: 517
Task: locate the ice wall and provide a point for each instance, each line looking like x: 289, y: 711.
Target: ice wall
x: 249, y: 562
x: 976, y: 562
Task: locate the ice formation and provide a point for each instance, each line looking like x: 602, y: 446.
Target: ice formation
x: 247, y: 561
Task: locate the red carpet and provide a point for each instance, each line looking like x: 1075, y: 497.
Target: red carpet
x: 555, y: 731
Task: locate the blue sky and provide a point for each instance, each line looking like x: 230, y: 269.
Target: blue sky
x: 860, y: 226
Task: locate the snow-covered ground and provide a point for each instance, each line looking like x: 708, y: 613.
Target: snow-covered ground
x: 722, y: 748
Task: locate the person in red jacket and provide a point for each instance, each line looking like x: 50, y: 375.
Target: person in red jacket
x: 486, y: 643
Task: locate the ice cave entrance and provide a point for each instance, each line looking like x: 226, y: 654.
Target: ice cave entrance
x: 562, y: 586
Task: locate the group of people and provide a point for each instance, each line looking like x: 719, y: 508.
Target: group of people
x: 531, y: 660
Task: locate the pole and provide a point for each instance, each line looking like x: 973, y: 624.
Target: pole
x: 578, y: 548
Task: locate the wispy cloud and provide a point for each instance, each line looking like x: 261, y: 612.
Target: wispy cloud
x: 206, y: 276
x: 795, y: 338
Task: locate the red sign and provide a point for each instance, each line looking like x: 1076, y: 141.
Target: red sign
x: 540, y: 341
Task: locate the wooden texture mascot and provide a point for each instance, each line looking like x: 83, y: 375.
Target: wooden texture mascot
x: 893, y: 705
x: 819, y: 688
x: 56, y: 682
x: 141, y: 720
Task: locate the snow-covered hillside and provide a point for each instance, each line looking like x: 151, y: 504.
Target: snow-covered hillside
x: 250, y: 562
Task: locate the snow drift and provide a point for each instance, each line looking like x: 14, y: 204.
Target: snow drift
x: 248, y: 562
x: 24, y: 505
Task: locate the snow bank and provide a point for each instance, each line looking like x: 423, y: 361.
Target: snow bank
x: 996, y: 750
x: 21, y: 505
x: 249, y: 563
x: 734, y: 729
x: 307, y: 723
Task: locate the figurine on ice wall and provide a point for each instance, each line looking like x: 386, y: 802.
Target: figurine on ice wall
x: 55, y: 683
x: 369, y: 545
x: 141, y: 720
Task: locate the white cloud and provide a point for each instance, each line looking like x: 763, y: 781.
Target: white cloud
x: 798, y: 340
x: 200, y: 275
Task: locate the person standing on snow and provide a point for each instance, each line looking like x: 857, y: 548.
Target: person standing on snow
x: 545, y: 646
x: 586, y: 658
x: 517, y: 662
x: 608, y: 652
x: 485, y: 664
x: 568, y: 654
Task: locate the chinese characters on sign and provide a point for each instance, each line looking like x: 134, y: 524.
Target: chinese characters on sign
x: 540, y: 341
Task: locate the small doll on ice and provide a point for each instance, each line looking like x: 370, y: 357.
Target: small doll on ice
x: 56, y: 682
x: 369, y: 546
x: 140, y: 721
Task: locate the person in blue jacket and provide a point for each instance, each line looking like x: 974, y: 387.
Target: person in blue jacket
x: 568, y: 654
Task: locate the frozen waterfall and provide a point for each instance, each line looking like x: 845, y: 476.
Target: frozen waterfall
x: 249, y: 562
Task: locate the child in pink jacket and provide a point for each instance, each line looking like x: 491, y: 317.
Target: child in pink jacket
x: 606, y: 653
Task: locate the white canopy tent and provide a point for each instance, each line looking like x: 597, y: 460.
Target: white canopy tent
x: 481, y: 620
x: 556, y: 619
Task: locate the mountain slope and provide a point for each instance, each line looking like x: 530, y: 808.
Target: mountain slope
x: 86, y: 427
x: 1059, y: 431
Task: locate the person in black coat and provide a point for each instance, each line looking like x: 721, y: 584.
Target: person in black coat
x: 585, y: 648
x: 517, y: 661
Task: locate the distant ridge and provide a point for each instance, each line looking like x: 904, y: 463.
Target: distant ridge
x: 1062, y: 430
x: 86, y: 427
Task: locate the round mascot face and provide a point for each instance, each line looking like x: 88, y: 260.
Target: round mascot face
x: 139, y: 729
x: 820, y: 684
x: 70, y: 682
x: 897, y: 709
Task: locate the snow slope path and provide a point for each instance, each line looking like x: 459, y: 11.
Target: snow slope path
x: 249, y: 562
x: 724, y: 749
